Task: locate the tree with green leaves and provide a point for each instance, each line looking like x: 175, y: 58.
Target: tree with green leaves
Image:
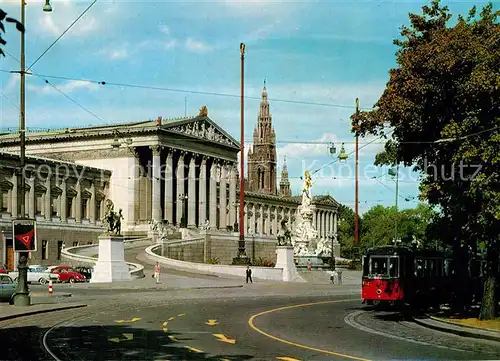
x: 4, y: 17
x: 346, y: 231
x: 443, y: 104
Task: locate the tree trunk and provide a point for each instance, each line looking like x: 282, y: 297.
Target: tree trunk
x: 488, y: 304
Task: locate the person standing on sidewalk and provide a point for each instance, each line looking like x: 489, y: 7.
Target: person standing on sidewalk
x: 249, y: 274
x: 157, y: 272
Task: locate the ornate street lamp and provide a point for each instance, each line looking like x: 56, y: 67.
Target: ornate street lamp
x: 342, y: 155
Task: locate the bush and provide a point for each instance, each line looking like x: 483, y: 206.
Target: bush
x: 263, y: 262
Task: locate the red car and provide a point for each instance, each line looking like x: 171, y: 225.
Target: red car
x: 67, y: 274
x: 3, y: 270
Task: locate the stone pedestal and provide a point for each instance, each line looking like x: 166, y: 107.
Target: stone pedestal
x: 110, y: 266
x: 285, y: 260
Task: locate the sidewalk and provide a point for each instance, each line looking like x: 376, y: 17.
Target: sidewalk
x: 8, y: 312
x: 442, y: 325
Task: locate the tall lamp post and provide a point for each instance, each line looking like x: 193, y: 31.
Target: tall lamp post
x: 395, y: 174
x: 242, y: 257
x: 22, y: 297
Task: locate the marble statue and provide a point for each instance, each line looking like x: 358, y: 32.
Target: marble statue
x: 206, y: 225
x: 284, y: 235
x: 305, y: 235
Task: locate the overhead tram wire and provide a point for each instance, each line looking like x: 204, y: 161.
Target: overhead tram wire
x: 166, y: 89
x: 63, y: 33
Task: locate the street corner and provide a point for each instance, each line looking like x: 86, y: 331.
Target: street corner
x: 467, y: 327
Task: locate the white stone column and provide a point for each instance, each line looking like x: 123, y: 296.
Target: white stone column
x: 30, y: 204
x: 335, y: 225
x: 275, y: 221
x: 253, y: 218
x: 14, y: 198
x: 223, y: 197
x: 64, y: 201
x: 259, y: 219
x: 330, y: 222
x: 232, y: 195
x: 213, y: 195
x: 180, y: 187
x: 48, y: 199
x: 92, y: 200
x: 202, y: 184
x: 192, y: 193
x: 169, y: 188
x: 268, y: 220
x: 78, y: 202
x: 156, y: 184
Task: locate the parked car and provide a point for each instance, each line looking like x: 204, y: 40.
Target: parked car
x: 7, y: 287
x: 36, y: 274
x: 3, y: 270
x: 86, y: 271
x: 67, y: 274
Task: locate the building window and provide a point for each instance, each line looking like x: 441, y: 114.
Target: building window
x: 5, y: 201
x: 98, y: 210
x: 59, y: 249
x: 45, y: 249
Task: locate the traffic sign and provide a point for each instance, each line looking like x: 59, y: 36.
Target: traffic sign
x: 24, y: 231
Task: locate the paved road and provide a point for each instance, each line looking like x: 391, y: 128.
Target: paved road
x: 241, y: 329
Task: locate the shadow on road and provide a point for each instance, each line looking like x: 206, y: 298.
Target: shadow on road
x: 115, y: 342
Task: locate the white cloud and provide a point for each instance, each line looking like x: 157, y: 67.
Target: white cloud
x: 67, y: 87
x: 197, y: 46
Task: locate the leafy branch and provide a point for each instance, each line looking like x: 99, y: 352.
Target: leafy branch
x: 5, y: 18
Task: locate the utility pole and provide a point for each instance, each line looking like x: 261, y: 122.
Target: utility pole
x: 397, y: 196
x: 356, y: 216
x: 242, y: 257
x: 22, y: 297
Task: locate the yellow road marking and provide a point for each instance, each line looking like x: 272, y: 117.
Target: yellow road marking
x: 165, y: 323
x: 172, y: 338
x: 165, y: 329
x: 193, y: 349
x: 285, y: 358
x: 171, y: 318
x: 251, y: 324
x: 128, y: 337
x: 224, y: 338
x: 181, y: 314
x: 211, y: 322
x: 132, y: 320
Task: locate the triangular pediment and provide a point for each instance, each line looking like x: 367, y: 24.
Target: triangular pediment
x: 201, y: 127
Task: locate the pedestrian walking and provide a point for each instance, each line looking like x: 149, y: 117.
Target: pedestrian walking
x: 309, y: 265
x: 157, y: 272
x: 249, y: 274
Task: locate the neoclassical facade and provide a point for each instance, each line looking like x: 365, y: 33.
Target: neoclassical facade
x: 183, y: 171
x: 66, y: 200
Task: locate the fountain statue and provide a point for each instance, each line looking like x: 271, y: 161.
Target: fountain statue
x: 305, y: 235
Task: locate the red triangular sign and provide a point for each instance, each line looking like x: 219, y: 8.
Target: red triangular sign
x: 26, y: 239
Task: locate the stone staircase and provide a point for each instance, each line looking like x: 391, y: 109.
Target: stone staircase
x: 320, y: 277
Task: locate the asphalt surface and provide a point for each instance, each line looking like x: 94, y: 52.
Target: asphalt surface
x: 257, y: 328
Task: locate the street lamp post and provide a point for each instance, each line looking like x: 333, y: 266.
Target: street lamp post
x: 242, y: 258
x: 22, y: 297
x: 395, y: 174
x: 183, y: 198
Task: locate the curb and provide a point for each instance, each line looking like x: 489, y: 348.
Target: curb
x: 31, y: 313
x: 214, y: 287
x: 459, y: 330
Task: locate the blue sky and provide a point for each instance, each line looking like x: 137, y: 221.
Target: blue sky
x: 327, y: 52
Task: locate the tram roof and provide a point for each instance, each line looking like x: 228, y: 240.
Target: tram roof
x: 402, y: 250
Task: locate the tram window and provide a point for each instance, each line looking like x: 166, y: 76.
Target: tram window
x: 419, y: 267
x: 439, y: 267
x: 366, y: 266
x: 430, y: 267
x: 393, y: 267
x: 402, y: 266
x: 378, y: 266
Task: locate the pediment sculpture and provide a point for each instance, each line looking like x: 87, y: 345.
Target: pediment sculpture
x: 204, y: 130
